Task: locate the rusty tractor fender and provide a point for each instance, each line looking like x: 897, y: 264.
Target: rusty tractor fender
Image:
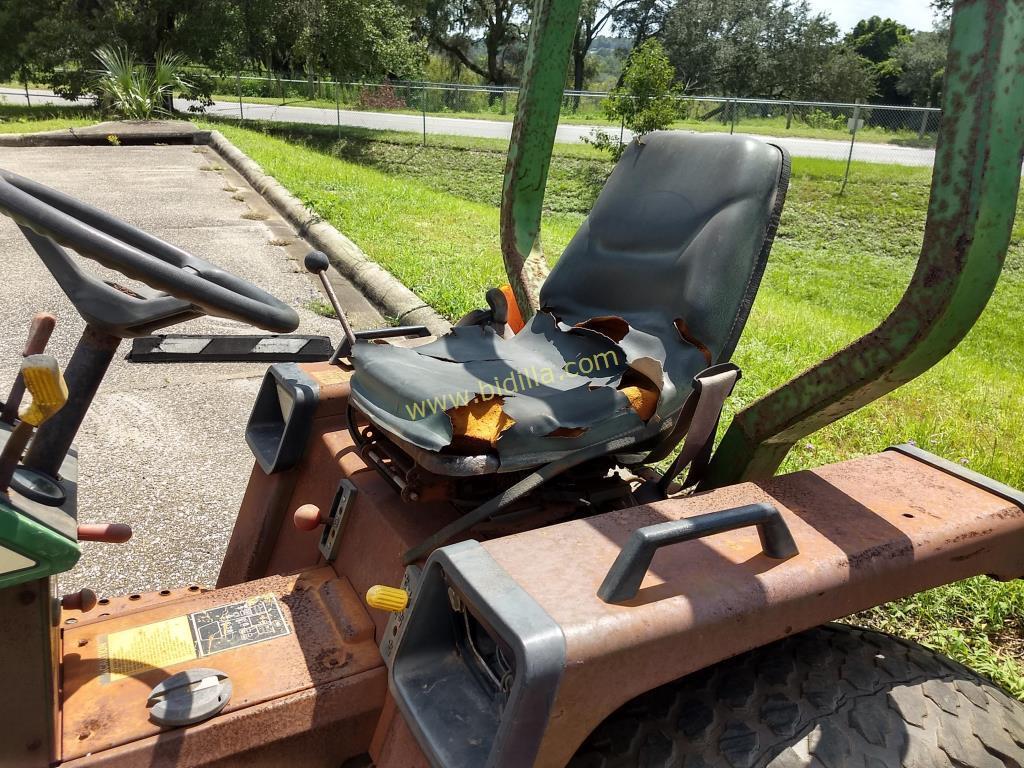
x: 868, y: 531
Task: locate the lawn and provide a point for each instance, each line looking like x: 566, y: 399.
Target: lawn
x: 19, y: 119
x: 429, y: 214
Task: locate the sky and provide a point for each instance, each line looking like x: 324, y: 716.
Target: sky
x: 916, y: 14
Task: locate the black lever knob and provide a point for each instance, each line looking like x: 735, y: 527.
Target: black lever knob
x: 316, y: 262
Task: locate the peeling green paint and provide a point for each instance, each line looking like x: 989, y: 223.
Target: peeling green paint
x: 553, y: 25
x: 975, y: 184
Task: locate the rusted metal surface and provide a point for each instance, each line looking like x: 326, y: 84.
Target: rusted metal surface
x: 316, y: 728
x: 970, y: 217
x: 330, y: 640
x: 394, y: 745
x: 329, y: 457
x: 28, y: 668
x: 869, y: 530
x: 260, y: 519
x: 123, y: 605
x: 265, y: 513
x: 382, y: 528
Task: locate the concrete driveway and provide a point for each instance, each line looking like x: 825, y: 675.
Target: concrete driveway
x: 163, y: 446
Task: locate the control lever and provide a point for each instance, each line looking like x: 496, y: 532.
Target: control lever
x: 45, y: 383
x: 38, y: 336
x: 109, y: 533
x: 317, y: 263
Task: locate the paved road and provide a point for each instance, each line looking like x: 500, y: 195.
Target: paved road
x: 162, y: 447
x: 499, y: 129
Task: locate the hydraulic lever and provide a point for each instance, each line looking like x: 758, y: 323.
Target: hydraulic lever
x: 38, y: 336
x: 45, y: 383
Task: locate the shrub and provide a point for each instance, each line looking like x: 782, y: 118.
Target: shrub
x: 138, y: 91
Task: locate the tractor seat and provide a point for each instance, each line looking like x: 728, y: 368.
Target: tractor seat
x: 655, y: 287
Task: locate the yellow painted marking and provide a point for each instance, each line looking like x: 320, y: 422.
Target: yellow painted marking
x: 160, y: 645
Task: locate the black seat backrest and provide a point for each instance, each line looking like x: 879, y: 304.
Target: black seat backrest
x: 681, y: 231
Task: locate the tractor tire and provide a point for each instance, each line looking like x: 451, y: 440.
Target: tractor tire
x: 833, y: 697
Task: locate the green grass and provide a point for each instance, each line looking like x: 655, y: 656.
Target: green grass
x: 22, y: 119
x: 839, y: 264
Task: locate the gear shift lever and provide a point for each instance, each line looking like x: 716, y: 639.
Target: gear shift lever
x: 317, y: 263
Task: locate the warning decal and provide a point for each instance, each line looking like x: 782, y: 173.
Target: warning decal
x: 232, y: 626
x: 184, y: 638
x: 134, y: 651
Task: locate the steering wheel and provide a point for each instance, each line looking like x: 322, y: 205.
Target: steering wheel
x: 185, y: 286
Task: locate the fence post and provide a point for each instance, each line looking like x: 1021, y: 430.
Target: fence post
x: 423, y: 102
x: 732, y: 116
x: 504, y: 101
x: 853, y: 138
x: 924, y: 120
x: 622, y: 131
x: 337, y: 105
x: 238, y: 85
x: 28, y: 101
x: 789, y: 115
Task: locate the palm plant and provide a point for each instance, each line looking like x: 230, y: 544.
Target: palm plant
x: 136, y: 90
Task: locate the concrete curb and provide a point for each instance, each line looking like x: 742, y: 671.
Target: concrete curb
x: 378, y: 285
x: 99, y: 134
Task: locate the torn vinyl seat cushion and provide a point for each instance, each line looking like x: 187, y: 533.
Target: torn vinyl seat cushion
x: 655, y: 287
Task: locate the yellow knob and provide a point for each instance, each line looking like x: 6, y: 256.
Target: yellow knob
x: 45, y: 382
x: 387, y: 598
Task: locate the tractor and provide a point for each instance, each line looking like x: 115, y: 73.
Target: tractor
x: 517, y: 544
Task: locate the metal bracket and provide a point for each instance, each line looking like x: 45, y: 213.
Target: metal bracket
x: 396, y: 621
x: 405, y: 331
x: 331, y: 537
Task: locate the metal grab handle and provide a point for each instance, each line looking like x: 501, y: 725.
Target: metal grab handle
x: 630, y: 567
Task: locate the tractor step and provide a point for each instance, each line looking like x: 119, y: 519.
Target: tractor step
x: 182, y: 348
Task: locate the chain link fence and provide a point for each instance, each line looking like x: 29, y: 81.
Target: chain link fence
x: 903, y: 135
x: 899, y: 135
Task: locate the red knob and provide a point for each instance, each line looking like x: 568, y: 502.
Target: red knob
x: 308, y: 517
x: 83, y: 600
x: 111, y: 533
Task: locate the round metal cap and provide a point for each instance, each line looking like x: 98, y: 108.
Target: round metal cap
x: 189, y: 697
x: 37, y: 486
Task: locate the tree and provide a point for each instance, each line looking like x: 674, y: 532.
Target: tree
x: 642, y: 19
x: 877, y: 40
x: 647, y: 100
x: 922, y: 67
x: 845, y: 76
x: 458, y: 27
x: 765, y: 48
x: 594, y: 16
x: 18, y: 21
x: 347, y: 39
x: 350, y: 39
